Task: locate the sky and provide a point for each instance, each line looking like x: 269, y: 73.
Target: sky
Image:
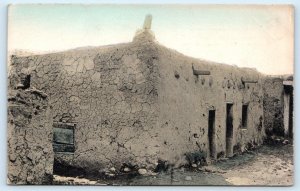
x: 260, y: 37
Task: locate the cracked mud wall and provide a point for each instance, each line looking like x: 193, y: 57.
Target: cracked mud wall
x: 273, y: 106
x: 110, y: 93
x: 128, y: 107
x: 30, y: 153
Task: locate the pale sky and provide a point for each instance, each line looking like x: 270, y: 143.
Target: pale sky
x: 260, y: 37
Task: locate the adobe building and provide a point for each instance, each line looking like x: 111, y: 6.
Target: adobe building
x: 139, y: 103
x: 278, y: 105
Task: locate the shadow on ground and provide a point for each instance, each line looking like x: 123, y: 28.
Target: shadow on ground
x: 267, y: 165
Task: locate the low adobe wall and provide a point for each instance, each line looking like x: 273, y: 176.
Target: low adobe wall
x: 30, y: 153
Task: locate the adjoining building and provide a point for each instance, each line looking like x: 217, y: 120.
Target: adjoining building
x: 278, y: 105
x: 139, y: 103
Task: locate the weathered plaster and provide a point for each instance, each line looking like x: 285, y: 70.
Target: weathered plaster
x: 30, y: 153
x: 139, y: 103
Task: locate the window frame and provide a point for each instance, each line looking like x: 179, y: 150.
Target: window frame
x: 59, y: 147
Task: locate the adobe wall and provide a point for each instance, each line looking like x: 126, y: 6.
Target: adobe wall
x: 185, y: 99
x: 30, y: 153
x: 140, y: 102
x: 110, y: 93
x: 273, y: 106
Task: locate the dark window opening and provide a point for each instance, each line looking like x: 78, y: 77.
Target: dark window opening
x: 63, y: 137
x: 244, y: 116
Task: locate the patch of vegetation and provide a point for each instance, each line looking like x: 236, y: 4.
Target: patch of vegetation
x: 220, y: 155
x: 162, y: 166
x: 237, y: 149
x: 198, y: 158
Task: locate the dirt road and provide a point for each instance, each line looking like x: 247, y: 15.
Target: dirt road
x: 268, y: 165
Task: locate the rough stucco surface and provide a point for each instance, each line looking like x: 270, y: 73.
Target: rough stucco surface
x: 273, y: 106
x: 110, y: 93
x: 30, y: 154
x: 184, y: 103
x: 129, y: 108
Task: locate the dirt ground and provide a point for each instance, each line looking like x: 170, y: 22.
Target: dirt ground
x: 268, y: 165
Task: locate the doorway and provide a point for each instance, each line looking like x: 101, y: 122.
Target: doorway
x: 288, y: 111
x: 211, y: 133
x: 229, y: 129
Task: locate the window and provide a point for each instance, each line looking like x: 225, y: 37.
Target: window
x: 244, y: 116
x: 63, y: 137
